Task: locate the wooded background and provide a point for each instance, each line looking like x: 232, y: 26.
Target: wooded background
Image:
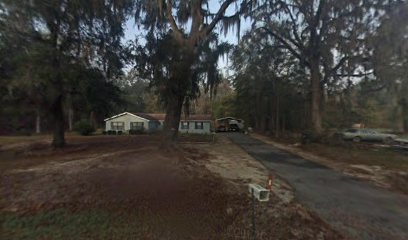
x: 311, y: 65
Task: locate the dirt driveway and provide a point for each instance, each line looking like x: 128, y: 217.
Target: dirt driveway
x: 355, y: 207
x: 124, y: 187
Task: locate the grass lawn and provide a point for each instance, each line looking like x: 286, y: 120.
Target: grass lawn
x: 396, y: 161
x: 4, y: 140
x: 362, y: 154
x: 64, y: 224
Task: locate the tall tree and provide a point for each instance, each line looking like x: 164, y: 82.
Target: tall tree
x: 390, y: 47
x: 61, y: 37
x: 190, y: 22
x: 269, y: 83
x: 326, y: 36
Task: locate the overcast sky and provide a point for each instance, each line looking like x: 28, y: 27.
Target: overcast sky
x: 132, y: 31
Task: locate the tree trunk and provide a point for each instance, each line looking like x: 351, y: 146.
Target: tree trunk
x: 405, y: 115
x: 92, y: 119
x: 176, y: 91
x: 37, y: 122
x: 316, y: 115
x: 172, y: 120
x: 399, y: 118
x: 57, y: 114
x: 70, y: 119
x: 271, y: 116
x: 277, y: 117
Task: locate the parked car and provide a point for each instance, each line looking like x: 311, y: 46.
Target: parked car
x: 229, y: 124
x: 358, y: 135
x: 401, y: 143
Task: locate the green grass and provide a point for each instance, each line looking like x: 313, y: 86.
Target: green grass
x: 63, y: 224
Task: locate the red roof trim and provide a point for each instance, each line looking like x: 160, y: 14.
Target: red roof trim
x: 162, y: 117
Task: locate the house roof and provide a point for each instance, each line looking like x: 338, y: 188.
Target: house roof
x: 162, y: 117
x: 121, y: 114
x: 198, y: 117
x: 151, y: 116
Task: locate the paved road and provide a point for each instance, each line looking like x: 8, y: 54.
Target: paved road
x: 351, y: 206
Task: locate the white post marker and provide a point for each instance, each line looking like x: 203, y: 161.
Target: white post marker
x: 259, y: 192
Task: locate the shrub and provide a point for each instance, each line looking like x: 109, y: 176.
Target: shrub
x: 84, y: 128
x: 24, y: 132
x: 308, y: 137
x: 136, y: 131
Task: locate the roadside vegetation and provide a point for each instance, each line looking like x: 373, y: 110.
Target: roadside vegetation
x: 351, y: 153
x: 383, y: 165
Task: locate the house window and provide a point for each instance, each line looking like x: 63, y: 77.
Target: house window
x: 137, y: 125
x: 118, y: 126
x: 199, y: 125
x: 184, y: 125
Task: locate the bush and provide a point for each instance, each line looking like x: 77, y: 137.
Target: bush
x: 308, y: 137
x: 84, y: 128
x: 24, y: 132
x: 136, y: 131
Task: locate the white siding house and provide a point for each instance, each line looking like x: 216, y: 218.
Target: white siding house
x: 197, y: 124
x: 124, y: 122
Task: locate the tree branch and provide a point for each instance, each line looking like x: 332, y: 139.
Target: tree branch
x: 294, y: 25
x: 176, y: 30
x: 286, y: 44
x: 325, y: 20
x: 198, y: 18
x: 218, y: 16
x: 355, y: 74
x: 339, y: 64
x: 319, y: 12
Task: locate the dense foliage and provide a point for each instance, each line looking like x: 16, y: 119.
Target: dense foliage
x: 58, y: 46
x: 301, y: 65
x: 323, y: 64
x: 84, y: 128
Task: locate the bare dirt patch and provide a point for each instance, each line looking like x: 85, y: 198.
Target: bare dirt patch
x: 125, y: 188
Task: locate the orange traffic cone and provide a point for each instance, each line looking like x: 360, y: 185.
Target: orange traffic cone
x: 269, y: 185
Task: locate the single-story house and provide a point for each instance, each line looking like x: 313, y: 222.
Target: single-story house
x: 153, y: 122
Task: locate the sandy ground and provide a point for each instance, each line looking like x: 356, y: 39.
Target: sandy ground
x: 232, y: 163
x: 197, y: 192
